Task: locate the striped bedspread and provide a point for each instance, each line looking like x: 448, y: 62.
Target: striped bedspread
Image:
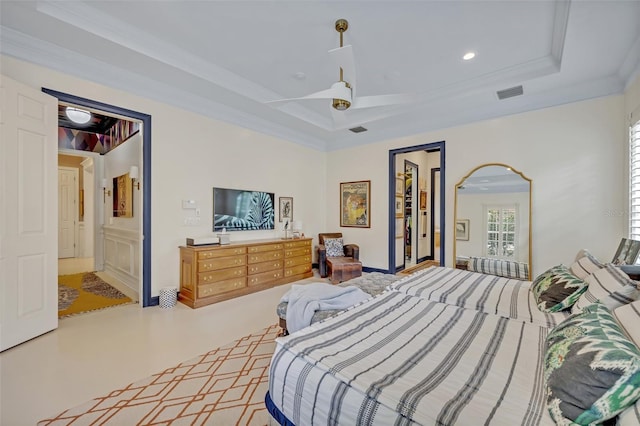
x: 402, y: 360
x: 502, y: 296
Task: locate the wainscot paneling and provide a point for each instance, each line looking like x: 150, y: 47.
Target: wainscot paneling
x: 122, y: 255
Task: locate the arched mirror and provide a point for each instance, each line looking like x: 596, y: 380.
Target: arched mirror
x: 493, y: 215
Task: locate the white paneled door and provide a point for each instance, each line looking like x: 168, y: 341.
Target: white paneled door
x: 29, y: 218
x: 67, y: 211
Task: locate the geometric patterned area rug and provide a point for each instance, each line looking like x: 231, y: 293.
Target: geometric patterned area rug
x: 84, y: 292
x: 223, y: 387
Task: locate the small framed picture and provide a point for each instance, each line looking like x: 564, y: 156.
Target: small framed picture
x: 286, y: 209
x: 462, y: 229
x: 399, y: 187
x: 399, y: 205
x: 423, y: 200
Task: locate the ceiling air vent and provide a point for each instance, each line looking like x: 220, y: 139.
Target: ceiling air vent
x: 510, y: 92
x: 358, y: 129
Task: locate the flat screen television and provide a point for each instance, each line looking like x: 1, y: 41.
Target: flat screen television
x: 241, y: 210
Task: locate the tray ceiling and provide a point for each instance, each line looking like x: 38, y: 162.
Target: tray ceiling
x: 226, y: 59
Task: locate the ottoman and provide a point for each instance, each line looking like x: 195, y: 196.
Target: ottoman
x: 343, y: 269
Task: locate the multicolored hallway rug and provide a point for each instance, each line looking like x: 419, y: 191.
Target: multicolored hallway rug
x: 223, y: 387
x: 84, y: 292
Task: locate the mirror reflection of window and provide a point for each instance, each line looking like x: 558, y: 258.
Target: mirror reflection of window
x: 501, y: 232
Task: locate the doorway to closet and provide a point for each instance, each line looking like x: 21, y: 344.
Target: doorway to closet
x: 416, y: 205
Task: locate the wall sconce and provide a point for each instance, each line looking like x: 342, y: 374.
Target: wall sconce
x: 105, y: 191
x: 133, y: 174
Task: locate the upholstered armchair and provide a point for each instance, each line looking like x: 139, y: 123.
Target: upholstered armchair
x: 348, y: 250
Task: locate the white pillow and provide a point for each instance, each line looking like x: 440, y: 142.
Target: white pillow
x: 610, y: 286
x: 585, y: 264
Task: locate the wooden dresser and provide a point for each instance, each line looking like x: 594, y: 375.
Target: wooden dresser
x: 210, y: 274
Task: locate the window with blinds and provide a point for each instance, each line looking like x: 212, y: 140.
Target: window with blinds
x: 634, y: 181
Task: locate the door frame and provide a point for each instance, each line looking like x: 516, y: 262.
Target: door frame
x: 432, y: 221
x: 429, y: 147
x: 145, y: 297
x: 415, y: 242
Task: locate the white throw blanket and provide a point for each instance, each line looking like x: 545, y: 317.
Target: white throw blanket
x: 304, y: 300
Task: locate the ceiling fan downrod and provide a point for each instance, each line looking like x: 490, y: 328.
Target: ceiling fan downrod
x: 341, y: 104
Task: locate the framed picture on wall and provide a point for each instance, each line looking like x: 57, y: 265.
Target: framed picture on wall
x: 399, y: 187
x: 423, y: 200
x: 286, y: 209
x: 122, y: 196
x: 355, y: 204
x: 399, y: 205
x: 399, y: 228
x: 462, y: 229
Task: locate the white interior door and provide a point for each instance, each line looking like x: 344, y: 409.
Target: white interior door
x: 67, y: 211
x: 29, y: 218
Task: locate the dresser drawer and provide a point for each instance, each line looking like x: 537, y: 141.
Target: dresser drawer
x: 223, y: 274
x: 296, y: 270
x: 264, y: 277
x: 265, y: 247
x: 225, y: 252
x: 221, y: 263
x: 300, y: 260
x: 297, y: 251
x: 206, y: 290
x: 297, y: 244
x: 256, y: 268
x: 264, y: 257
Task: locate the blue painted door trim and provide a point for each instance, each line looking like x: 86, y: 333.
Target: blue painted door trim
x: 429, y: 147
x: 146, y: 298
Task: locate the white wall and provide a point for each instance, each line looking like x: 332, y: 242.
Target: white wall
x: 116, y: 163
x: 190, y: 155
x: 573, y: 153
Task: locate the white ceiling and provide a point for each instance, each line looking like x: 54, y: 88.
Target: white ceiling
x: 225, y: 59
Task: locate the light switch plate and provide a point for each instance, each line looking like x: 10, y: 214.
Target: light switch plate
x: 189, y: 204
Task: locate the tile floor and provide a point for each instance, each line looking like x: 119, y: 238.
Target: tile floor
x: 94, y: 353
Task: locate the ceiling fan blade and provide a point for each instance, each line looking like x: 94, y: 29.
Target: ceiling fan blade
x: 382, y: 100
x: 337, y: 90
x: 343, y: 57
x: 323, y: 94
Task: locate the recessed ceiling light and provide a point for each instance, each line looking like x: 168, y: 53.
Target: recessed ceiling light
x: 469, y: 55
x: 299, y: 75
x: 78, y: 115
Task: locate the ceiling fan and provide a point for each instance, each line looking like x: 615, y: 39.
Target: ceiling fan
x: 343, y: 92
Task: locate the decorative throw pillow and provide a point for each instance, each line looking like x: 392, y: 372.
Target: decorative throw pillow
x: 585, y: 264
x: 535, y: 285
x: 608, y: 285
x: 557, y: 290
x: 591, y: 369
x: 334, y: 247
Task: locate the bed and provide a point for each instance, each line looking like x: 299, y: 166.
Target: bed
x: 400, y: 359
x: 445, y: 347
x: 491, y: 294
